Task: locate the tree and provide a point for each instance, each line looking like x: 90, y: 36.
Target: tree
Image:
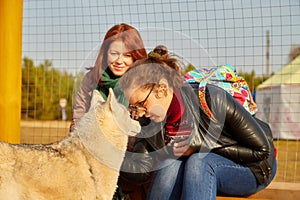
x: 42, y: 88
x: 252, y: 80
x: 295, y: 52
x: 189, y: 67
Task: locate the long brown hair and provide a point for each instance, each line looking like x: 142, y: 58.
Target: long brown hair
x: 129, y: 36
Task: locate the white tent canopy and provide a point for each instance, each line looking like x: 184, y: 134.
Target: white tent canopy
x: 288, y: 75
x: 278, y: 101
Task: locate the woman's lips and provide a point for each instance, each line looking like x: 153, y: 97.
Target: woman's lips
x: 118, y: 67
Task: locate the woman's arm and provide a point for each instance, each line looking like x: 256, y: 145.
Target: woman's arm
x: 137, y: 165
x: 83, y: 98
x: 251, y: 142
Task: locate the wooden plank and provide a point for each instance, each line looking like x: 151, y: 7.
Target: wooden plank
x: 275, y: 191
x: 279, y: 191
x: 239, y: 198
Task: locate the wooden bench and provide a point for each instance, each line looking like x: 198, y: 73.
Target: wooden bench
x: 239, y: 198
x: 275, y: 191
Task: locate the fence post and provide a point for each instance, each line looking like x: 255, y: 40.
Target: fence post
x: 11, y: 12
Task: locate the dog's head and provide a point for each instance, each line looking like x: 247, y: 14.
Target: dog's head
x: 113, y: 115
x: 105, y: 128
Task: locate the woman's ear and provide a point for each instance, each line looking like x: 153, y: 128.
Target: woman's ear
x: 164, y: 82
x: 162, y: 88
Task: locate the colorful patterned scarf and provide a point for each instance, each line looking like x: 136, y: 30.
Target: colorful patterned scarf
x: 224, y: 77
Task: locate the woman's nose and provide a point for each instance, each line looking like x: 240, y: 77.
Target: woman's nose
x: 147, y: 114
x: 119, y: 59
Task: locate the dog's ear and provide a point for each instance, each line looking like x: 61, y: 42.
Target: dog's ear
x: 97, y: 97
x: 112, y: 102
x: 121, y: 116
x: 113, y: 105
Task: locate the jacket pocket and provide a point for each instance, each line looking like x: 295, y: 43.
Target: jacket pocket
x: 262, y: 171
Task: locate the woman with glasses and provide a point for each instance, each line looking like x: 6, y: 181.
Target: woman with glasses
x: 193, y: 155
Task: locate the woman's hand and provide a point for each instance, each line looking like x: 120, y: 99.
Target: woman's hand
x: 183, y: 149
x: 136, y: 112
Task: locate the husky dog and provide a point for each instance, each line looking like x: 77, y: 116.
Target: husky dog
x: 85, y: 165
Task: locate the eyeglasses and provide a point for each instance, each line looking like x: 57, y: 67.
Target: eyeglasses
x: 141, y: 103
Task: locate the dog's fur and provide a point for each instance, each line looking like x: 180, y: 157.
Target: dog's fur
x: 71, y: 169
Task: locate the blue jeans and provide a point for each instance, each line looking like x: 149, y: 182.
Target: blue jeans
x: 203, y: 176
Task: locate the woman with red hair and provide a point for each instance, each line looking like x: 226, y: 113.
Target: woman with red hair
x: 121, y: 47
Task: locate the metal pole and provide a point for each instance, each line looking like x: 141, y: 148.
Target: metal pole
x: 268, y: 53
x: 11, y: 12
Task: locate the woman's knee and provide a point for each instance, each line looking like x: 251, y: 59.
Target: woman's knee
x: 200, y: 162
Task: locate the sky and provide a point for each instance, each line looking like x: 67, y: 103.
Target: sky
x: 204, y: 33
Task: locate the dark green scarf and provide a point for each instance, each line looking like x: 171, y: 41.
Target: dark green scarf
x: 109, y: 80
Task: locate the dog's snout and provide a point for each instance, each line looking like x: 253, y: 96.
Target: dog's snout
x: 135, y: 128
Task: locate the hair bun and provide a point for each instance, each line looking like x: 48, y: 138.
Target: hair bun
x: 159, y: 52
x: 154, y: 55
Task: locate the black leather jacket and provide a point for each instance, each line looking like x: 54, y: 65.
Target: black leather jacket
x: 235, y: 134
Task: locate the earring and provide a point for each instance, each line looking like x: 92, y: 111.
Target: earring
x: 161, y: 91
x: 165, y: 92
